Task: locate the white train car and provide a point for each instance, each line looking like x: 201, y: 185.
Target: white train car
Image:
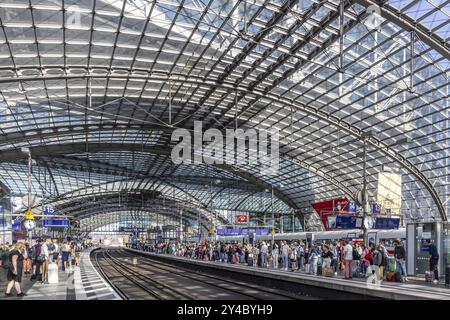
x: 374, y: 235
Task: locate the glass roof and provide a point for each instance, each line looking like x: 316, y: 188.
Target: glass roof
x: 90, y: 87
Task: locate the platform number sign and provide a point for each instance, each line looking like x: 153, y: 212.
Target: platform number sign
x: 351, y: 206
x: 49, y: 211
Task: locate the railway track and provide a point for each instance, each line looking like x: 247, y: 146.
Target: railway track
x: 120, y: 276
x: 238, y: 287
x: 144, y: 275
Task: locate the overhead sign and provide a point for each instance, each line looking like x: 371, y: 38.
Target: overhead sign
x: 49, y: 211
x: 242, y: 218
x: 376, y: 208
x: 29, y: 215
x: 330, y: 208
x: 387, y: 223
x: 242, y: 232
x: 16, y: 225
x: 130, y: 229
x: 56, y: 223
x: 351, y: 206
x: 349, y: 222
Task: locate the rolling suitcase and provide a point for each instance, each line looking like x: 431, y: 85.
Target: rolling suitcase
x: 429, y: 276
x: 328, y: 271
x: 390, y: 276
x: 293, y: 265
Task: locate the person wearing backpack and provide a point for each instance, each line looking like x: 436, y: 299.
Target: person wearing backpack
x: 38, y: 259
x: 377, y: 260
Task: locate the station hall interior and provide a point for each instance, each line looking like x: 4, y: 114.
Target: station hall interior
x: 224, y: 149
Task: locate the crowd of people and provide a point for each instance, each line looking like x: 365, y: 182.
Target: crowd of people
x: 22, y: 259
x: 350, y: 259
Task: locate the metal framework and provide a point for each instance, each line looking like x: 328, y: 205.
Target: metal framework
x: 95, y: 88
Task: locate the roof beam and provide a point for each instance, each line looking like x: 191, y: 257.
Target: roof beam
x: 408, y: 24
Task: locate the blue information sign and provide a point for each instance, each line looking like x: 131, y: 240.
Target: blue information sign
x: 49, y: 211
x: 351, y: 206
x: 16, y: 225
x: 2, y: 223
x: 387, y: 223
x: 349, y: 222
x: 242, y: 232
x: 57, y: 223
x: 376, y: 208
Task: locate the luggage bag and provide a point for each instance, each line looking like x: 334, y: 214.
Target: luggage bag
x: 328, y: 271
x: 429, y: 276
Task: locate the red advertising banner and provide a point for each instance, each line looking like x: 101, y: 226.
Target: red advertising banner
x: 242, y: 218
x: 330, y: 208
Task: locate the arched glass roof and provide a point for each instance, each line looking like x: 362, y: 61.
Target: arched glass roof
x: 91, y: 86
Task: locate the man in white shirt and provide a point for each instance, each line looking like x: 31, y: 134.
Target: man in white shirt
x: 45, y: 252
x: 348, y: 257
x: 285, y: 250
x: 263, y: 253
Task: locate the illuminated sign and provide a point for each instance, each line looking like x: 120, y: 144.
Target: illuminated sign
x: 241, y: 218
x: 56, y: 223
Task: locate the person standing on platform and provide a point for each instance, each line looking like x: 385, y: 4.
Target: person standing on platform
x: 15, y: 270
x: 300, y: 256
x: 275, y: 254
x: 46, y: 254
x: 377, y: 261
x: 264, y: 249
x: 4, y: 261
x: 434, y: 260
x: 65, y: 252
x: 400, y: 256
x: 348, y: 258
x: 285, y: 255
x: 384, y: 255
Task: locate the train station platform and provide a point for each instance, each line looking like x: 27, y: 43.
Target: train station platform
x: 320, y: 286
x: 83, y: 283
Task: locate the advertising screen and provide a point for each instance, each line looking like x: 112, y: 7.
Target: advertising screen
x: 241, y: 218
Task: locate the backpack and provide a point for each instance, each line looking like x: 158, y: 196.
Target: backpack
x: 4, y: 255
x: 36, y: 251
x: 369, y: 256
x: 51, y: 247
x: 356, y: 255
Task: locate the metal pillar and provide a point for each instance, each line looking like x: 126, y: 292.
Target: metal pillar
x: 273, y: 219
x: 364, y: 193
